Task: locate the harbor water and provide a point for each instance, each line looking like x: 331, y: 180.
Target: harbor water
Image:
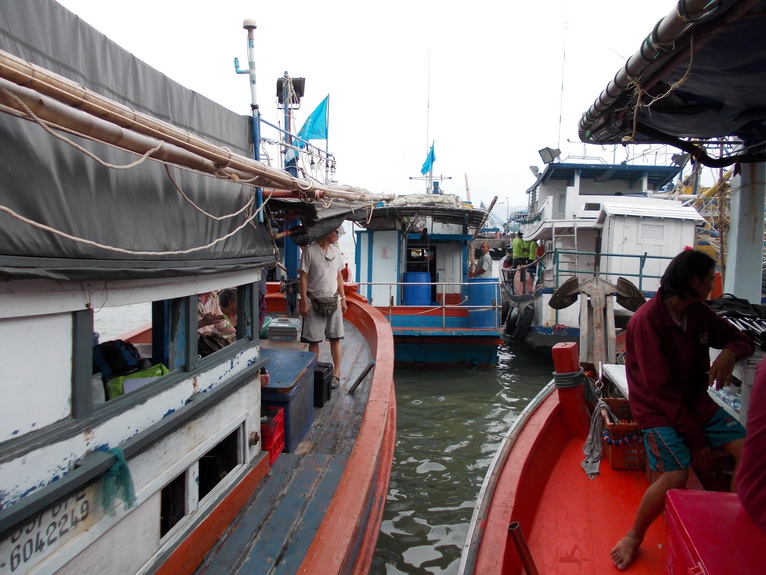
x: 449, y: 424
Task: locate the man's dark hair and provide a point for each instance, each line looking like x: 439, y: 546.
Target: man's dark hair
x: 227, y: 296
x: 677, y: 279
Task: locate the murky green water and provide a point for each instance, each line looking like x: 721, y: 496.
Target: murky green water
x: 450, y: 422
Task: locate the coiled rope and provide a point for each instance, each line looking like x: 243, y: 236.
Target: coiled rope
x: 569, y: 379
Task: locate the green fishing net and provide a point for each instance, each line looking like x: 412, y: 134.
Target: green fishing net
x: 117, y: 483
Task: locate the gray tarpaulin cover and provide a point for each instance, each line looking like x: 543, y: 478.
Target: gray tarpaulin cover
x: 53, y: 184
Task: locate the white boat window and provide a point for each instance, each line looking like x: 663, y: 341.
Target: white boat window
x: 163, y: 347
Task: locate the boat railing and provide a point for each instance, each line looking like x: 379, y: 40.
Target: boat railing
x: 559, y: 263
x: 441, y: 303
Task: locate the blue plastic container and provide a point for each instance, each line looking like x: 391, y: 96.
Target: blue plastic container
x: 482, y: 292
x: 291, y: 388
x: 417, y: 294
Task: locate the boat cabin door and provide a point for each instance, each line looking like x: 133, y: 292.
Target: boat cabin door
x: 449, y: 270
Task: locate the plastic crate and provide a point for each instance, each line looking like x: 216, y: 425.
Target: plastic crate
x: 623, y: 443
x: 273, y: 432
x: 322, y: 383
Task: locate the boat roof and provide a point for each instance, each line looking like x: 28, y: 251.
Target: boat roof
x: 444, y: 208
x: 657, y: 176
x: 666, y: 209
x: 67, y: 217
x: 700, y: 73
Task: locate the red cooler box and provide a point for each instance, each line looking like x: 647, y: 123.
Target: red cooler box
x: 710, y: 534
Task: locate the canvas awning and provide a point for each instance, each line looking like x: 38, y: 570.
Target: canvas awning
x: 699, y: 74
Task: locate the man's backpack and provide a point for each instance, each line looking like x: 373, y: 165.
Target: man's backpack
x: 113, y: 358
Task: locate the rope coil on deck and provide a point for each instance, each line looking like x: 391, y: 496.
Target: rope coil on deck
x: 569, y: 379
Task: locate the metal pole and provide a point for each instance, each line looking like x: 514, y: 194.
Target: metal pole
x: 362, y: 375
x: 250, y: 26
x: 291, y: 254
x: 515, y: 533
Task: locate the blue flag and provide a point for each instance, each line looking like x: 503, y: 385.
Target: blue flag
x: 429, y: 163
x: 315, y: 126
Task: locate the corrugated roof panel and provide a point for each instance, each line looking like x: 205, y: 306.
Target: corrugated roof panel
x: 661, y: 209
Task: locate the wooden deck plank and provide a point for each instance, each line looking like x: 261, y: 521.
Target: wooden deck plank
x: 227, y: 555
x: 284, y: 538
x: 305, y: 529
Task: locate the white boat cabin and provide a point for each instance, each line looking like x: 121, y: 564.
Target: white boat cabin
x: 415, y: 251
x: 605, y: 220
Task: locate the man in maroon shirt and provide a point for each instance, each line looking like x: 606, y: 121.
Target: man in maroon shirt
x: 751, y: 473
x: 669, y: 371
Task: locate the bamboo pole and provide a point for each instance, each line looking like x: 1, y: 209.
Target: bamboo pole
x: 87, y: 113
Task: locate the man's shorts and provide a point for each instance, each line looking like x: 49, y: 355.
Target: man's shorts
x: 667, y: 451
x: 317, y: 327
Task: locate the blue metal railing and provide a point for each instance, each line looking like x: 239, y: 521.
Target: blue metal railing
x: 441, y: 290
x: 641, y: 275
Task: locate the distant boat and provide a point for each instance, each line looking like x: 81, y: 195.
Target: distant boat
x: 594, y: 223
x: 412, y: 259
x: 141, y: 463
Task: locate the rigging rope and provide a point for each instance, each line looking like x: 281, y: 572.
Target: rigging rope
x: 44, y: 125
x: 46, y: 228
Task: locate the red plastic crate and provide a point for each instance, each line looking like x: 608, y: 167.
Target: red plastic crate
x: 277, y: 446
x: 623, y: 443
x: 273, y: 432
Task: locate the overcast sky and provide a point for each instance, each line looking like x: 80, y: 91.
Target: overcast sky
x: 490, y: 81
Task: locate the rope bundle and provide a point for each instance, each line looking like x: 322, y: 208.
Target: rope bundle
x: 568, y: 379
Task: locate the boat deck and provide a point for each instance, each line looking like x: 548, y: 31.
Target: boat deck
x: 570, y: 522
x: 579, y: 519
x: 277, y: 525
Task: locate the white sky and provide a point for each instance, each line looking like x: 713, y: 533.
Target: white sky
x: 497, y: 91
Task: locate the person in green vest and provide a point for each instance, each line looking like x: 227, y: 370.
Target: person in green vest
x: 531, y: 257
x: 520, y: 253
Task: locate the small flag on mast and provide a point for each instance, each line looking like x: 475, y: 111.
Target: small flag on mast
x: 315, y: 126
x: 429, y: 163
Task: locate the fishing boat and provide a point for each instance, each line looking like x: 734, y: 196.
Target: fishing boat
x: 123, y: 187
x: 413, y: 255
x: 538, y: 511
x: 594, y: 223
